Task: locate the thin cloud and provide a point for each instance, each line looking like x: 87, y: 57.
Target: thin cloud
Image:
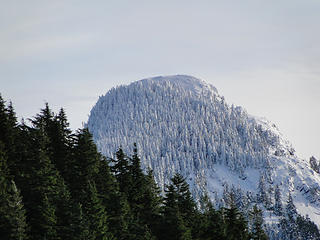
x: 44, y: 46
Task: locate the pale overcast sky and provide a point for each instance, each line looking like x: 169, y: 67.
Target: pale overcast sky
x: 261, y: 54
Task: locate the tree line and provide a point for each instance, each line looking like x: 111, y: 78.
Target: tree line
x: 54, y: 184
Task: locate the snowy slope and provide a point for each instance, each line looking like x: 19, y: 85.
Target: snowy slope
x: 181, y: 124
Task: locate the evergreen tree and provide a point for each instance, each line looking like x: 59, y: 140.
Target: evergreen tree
x: 262, y: 190
x: 58, y: 136
x: 123, y: 173
x: 39, y: 191
x: 121, y: 201
x: 120, y: 169
x: 143, y: 195
x: 236, y: 227
x: 47, y: 199
x: 85, y: 171
x: 181, y: 215
x: 79, y: 226
x: 43, y: 219
x: 61, y: 143
x: 38, y: 172
x: 257, y: 232
x: 291, y: 210
x: 113, y: 201
x: 9, y: 132
x: 307, y: 229
x: 152, y: 204
x: 13, y: 224
x: 138, y: 187
x: 174, y: 226
x: 85, y: 164
x: 96, y: 216
x: 278, y: 209
x: 289, y: 222
x: 186, y: 204
x: 226, y: 196
x: 212, y: 225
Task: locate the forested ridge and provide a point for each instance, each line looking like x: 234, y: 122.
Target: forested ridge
x: 54, y: 184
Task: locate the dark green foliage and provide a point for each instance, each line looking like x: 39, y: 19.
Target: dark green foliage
x: 186, y: 204
x: 212, y: 221
x: 257, y: 232
x: 120, y: 169
x: 9, y: 132
x: 43, y: 189
x: 141, y: 193
x: 95, y: 215
x: 43, y: 220
x: 236, y: 227
x: 55, y: 185
x: 46, y: 195
x: 179, y: 209
x: 79, y: 226
x: 174, y: 226
x: 13, y: 224
x: 85, y: 171
x: 151, y: 204
x: 16, y: 213
x: 40, y: 153
x: 85, y: 162
x: 235, y: 223
x: 115, y: 204
x: 61, y: 143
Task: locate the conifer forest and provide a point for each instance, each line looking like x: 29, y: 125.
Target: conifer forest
x: 55, y: 185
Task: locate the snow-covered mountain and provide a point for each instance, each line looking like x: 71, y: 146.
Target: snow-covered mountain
x: 181, y: 124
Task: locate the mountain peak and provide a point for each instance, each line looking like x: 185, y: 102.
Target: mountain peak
x: 182, y: 125
x: 186, y: 82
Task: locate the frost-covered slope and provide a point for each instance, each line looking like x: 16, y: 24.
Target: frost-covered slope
x: 181, y: 124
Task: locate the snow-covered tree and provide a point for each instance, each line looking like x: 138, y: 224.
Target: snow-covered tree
x: 278, y: 209
x: 262, y: 190
x: 184, y: 122
x: 181, y: 124
x: 291, y: 210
